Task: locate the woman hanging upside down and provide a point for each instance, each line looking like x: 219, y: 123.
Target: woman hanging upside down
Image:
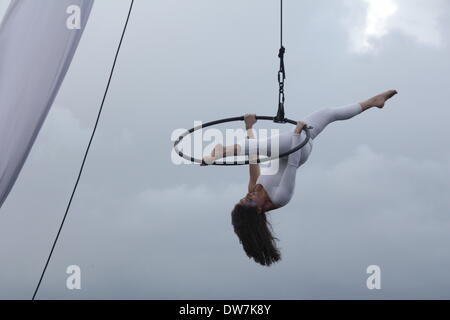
x: 271, y: 192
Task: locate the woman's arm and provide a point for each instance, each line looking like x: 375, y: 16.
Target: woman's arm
x: 250, y: 120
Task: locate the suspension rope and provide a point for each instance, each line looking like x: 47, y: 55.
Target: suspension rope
x: 281, y: 23
x: 87, y: 151
x: 280, y: 117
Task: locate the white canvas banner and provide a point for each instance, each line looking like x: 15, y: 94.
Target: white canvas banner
x: 38, y: 39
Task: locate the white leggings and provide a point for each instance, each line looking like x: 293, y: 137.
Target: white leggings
x: 319, y: 120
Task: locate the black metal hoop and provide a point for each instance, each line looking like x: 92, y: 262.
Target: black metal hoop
x: 236, y: 162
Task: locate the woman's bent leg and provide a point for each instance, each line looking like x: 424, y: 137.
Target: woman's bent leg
x: 276, y: 144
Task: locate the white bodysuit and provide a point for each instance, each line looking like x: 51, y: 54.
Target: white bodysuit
x: 280, y: 186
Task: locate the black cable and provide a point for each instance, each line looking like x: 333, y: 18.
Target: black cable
x: 87, y: 151
x: 280, y: 117
x: 282, y: 48
x: 281, y: 22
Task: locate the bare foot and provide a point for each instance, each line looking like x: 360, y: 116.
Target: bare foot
x: 379, y: 100
x: 216, y: 153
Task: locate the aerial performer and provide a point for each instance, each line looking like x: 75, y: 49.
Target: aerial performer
x: 267, y: 193
x: 287, y: 152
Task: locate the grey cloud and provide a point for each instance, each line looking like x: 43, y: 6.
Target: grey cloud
x: 374, y: 191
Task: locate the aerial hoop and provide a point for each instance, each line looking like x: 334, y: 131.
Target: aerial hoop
x: 279, y: 118
x: 236, y: 162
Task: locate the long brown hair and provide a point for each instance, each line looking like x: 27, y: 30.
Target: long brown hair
x: 255, y: 234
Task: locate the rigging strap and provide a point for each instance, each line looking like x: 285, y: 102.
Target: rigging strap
x: 280, y: 117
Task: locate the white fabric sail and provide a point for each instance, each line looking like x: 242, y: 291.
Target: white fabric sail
x: 38, y: 39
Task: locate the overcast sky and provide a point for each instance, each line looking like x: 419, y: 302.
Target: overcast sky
x: 374, y: 191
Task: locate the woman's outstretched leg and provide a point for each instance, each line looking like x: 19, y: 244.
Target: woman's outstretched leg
x: 321, y: 119
x: 318, y: 120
